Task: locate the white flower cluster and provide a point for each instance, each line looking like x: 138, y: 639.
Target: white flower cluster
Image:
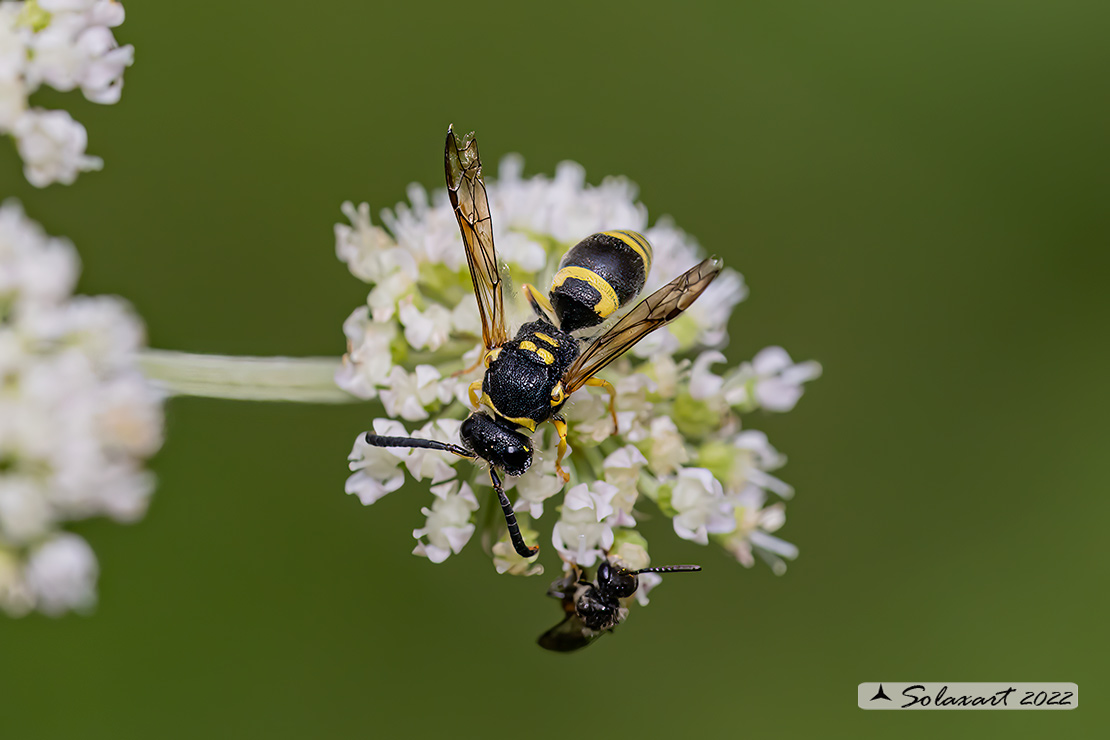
x: 680, y: 442
x: 65, y: 44
x: 77, y: 419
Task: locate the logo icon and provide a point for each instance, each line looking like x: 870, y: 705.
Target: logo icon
x: 881, y: 695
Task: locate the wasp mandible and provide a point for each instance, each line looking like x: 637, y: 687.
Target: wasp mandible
x: 529, y: 378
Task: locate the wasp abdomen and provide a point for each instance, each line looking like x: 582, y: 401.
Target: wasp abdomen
x: 597, y: 276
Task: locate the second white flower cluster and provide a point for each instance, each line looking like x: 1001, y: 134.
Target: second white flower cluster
x: 64, y: 44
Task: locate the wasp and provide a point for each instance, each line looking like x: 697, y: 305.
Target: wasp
x: 593, y: 608
x: 529, y: 378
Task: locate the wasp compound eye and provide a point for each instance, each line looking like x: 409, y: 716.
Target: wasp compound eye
x: 517, y: 457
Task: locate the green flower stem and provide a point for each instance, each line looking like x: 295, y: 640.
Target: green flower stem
x: 298, y: 379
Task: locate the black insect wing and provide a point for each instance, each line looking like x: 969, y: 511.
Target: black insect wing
x: 571, y: 633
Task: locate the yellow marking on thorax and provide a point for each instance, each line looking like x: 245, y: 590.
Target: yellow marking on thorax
x: 544, y: 355
x: 608, y: 302
x: 638, y: 243
x: 529, y: 424
x: 543, y: 337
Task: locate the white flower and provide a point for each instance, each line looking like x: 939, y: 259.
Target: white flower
x: 409, y: 393
x: 537, y: 485
x: 705, y: 385
x: 385, y: 296
x: 369, y: 251
x: 25, y: 511
x: 507, y: 560
x: 702, y: 509
x: 754, y: 458
x: 622, y: 469
x: 582, y: 533
x: 754, y: 524
x: 61, y: 575
x: 39, y: 270
x: 465, y: 319
x: 433, y: 464
x: 633, y: 416
x: 771, y: 381
x: 710, y: 313
x: 633, y: 556
x: 647, y: 581
x: 125, y: 418
x: 64, y: 44
x: 668, y: 447
x: 13, y: 99
x: 368, y: 362
x: 52, y: 145
x: 377, y: 469
x: 448, y: 527
x: 69, y: 53
x: 77, y: 419
x: 81, y: 7
x: 428, y: 329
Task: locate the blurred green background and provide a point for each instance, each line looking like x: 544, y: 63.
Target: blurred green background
x: 917, y: 195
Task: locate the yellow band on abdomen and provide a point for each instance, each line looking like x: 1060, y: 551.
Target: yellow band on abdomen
x: 638, y: 243
x: 607, y: 304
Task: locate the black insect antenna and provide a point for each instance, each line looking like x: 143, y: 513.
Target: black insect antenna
x: 668, y: 569
x: 428, y: 444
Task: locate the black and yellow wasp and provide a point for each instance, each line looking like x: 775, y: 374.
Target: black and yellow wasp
x: 529, y: 378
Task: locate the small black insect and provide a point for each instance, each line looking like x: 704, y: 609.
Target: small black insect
x: 594, y: 607
x: 529, y: 378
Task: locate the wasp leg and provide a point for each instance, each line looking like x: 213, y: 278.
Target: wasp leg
x: 539, y: 302
x: 472, y: 392
x: 561, y: 427
x: 510, y: 519
x: 599, y: 383
x: 472, y: 368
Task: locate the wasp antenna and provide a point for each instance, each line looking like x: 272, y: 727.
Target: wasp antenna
x: 668, y: 569
x: 428, y: 444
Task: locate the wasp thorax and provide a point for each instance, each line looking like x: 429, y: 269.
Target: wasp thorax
x: 595, y: 611
x: 497, y: 443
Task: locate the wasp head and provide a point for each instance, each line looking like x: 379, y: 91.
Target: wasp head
x: 616, y: 581
x: 498, y: 443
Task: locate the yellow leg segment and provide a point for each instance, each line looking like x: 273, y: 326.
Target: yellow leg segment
x: 599, y: 383
x: 472, y: 391
x: 561, y: 428
x: 539, y: 301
